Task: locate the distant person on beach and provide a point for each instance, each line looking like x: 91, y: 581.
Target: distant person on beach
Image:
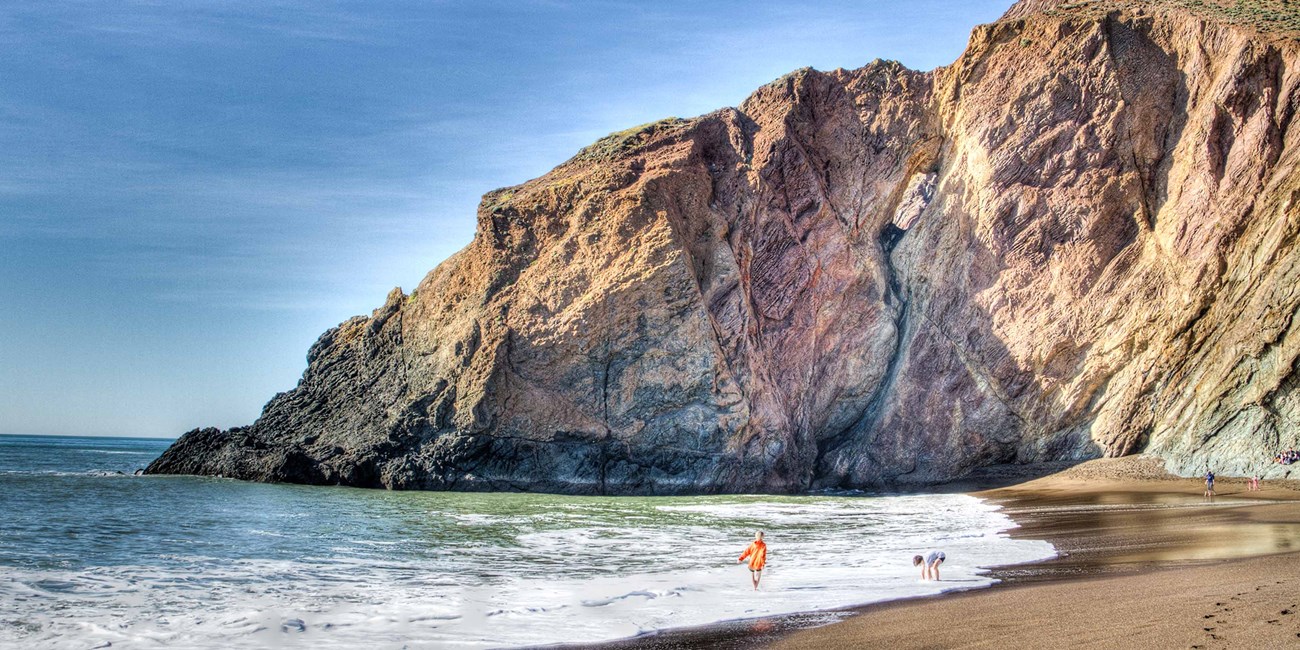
x: 757, y: 554
x: 931, y: 562
x: 1254, y: 483
x: 1209, y: 483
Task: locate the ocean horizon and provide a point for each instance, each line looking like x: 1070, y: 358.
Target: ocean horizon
x: 73, y: 435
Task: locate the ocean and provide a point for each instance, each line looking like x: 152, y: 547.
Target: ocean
x: 91, y: 554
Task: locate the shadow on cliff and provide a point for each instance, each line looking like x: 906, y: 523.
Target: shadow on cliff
x: 978, y: 381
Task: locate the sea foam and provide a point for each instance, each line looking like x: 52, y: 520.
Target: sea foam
x: 579, y: 570
x: 90, y: 555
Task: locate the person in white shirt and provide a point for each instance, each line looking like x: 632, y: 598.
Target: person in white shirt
x: 929, y: 564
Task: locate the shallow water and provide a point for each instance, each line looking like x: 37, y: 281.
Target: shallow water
x: 90, y: 556
x: 1102, y: 532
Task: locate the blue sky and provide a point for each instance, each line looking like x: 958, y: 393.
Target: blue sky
x: 192, y: 192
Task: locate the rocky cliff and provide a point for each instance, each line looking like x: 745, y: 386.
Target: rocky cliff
x: 1080, y: 239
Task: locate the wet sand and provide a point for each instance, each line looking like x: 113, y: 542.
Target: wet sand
x: 1145, y: 561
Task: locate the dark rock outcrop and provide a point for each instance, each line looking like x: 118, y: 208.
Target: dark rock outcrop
x: 1080, y: 239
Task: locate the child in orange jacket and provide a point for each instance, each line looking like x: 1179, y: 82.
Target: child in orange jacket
x: 757, y: 554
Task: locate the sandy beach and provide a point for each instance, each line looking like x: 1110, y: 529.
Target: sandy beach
x: 1146, y: 561
x: 1144, y: 565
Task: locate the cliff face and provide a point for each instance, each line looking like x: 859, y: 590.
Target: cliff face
x: 1080, y: 239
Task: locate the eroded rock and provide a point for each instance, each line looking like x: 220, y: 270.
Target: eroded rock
x: 1079, y: 239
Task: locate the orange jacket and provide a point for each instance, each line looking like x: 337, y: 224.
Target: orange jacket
x: 757, y: 554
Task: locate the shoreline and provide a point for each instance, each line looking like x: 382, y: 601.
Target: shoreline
x: 1122, y: 528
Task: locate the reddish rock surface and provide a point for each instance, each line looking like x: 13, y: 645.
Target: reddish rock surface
x: 1078, y: 240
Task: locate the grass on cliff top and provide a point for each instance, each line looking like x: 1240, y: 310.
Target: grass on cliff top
x: 623, y: 141
x: 1264, y: 15
x: 499, y: 198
